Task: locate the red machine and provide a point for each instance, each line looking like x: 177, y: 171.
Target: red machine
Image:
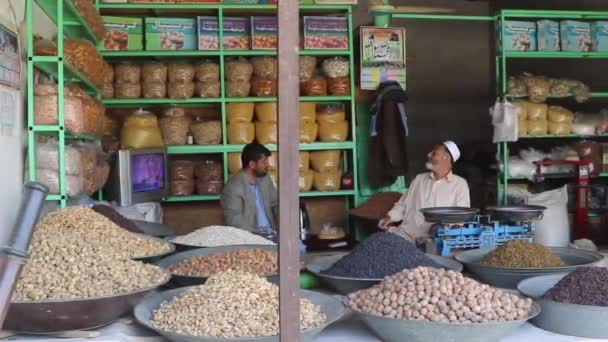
x: 583, y: 229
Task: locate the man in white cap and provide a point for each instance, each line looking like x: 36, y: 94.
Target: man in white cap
x: 437, y: 188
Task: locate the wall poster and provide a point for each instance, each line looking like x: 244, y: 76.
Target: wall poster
x: 10, y: 62
x: 382, y: 56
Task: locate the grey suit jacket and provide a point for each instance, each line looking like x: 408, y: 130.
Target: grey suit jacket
x: 239, y: 206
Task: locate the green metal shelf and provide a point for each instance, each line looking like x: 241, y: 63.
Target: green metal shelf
x: 210, y: 149
x: 557, y: 14
x: 75, y: 26
x: 153, y: 102
x: 205, y: 198
x: 553, y: 136
x: 554, y: 54
x: 327, y: 193
x: 596, y: 95
x: 50, y: 65
x: 251, y: 99
x: 159, y: 53
x: 324, y: 52
x: 325, y: 98
x: 250, y: 52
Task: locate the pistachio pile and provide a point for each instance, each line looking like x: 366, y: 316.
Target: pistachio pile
x: 231, y: 304
x: 251, y: 260
x: 522, y: 254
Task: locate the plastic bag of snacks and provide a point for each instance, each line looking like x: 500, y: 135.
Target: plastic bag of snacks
x: 182, y: 187
x: 581, y: 92
x: 537, y: 127
x: 180, y: 90
x: 307, y: 67
x: 522, y: 128
x: 91, y: 16
x: 561, y: 87
x: 304, y: 163
x: 108, y: 76
x: 308, y: 132
x: 557, y: 128
x: 127, y: 73
x: 266, y: 111
x: 207, y: 71
x: 560, y: 115
x: 314, y: 86
x: 154, y: 90
x: 533, y: 111
x: 308, y: 112
x: 141, y: 130
x: 88, y: 160
x: 306, y: 179
x: 46, y: 109
x: 111, y: 126
x: 336, y: 67
x: 327, y: 181
x: 266, y: 132
x: 154, y: 72
x: 234, y: 163
x: 83, y: 56
x: 209, y: 187
x: 47, y: 157
x: 238, y: 88
x: 102, y: 173
x: 263, y: 88
x: 208, y: 89
x: 330, y: 113
x: 209, y: 169
x: 241, y: 133
x: 339, y: 86
x: 50, y: 178
x: 107, y: 91
x: 265, y: 67
x: 127, y: 90
x: 174, y: 127
x: 539, y: 88
x: 207, y: 132
x: 240, y: 112
x: 517, y: 87
x: 180, y: 72
x: 239, y: 70
x: 337, y: 131
x: 182, y: 170
x: 325, y: 161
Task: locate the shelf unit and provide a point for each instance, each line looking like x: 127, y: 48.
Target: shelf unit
x: 221, y: 11
x: 502, y: 75
x: 70, y: 24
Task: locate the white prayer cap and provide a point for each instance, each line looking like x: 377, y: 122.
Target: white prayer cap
x: 453, y: 149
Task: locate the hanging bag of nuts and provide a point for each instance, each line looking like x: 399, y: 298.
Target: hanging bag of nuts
x: 206, y: 132
x: 174, y: 126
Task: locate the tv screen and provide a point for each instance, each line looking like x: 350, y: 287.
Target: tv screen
x: 148, y: 172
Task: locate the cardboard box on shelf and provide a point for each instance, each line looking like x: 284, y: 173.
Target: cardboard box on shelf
x: 237, y: 33
x: 325, y: 33
x: 123, y: 33
x: 575, y: 36
x: 548, y: 35
x: 170, y: 34
x: 208, y: 33
x: 599, y: 35
x: 519, y: 36
x: 264, y: 33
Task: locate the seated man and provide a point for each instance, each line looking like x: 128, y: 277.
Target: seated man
x: 249, y: 198
x: 437, y: 188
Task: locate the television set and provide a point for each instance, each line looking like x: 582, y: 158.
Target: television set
x: 138, y: 175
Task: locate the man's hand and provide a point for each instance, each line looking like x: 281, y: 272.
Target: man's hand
x: 385, y: 223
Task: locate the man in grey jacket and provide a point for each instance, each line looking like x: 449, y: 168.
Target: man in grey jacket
x: 249, y: 198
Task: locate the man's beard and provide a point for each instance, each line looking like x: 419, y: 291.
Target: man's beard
x: 430, y: 166
x: 261, y: 174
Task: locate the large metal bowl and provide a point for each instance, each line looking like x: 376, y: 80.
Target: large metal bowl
x: 53, y: 316
x: 510, y: 277
x: 202, y: 252
x: 517, y: 213
x: 398, y: 330
x: 156, y: 257
x: 566, y: 319
x: 154, y: 229
x: 346, y: 285
x: 332, y: 307
x: 449, y: 215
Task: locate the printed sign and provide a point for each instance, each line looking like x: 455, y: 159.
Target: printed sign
x: 10, y: 64
x: 382, y: 56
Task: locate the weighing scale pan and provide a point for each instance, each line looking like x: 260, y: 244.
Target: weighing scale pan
x: 398, y: 330
x: 566, y: 319
x: 202, y: 252
x: 331, y: 306
x: 509, y: 277
x: 449, y: 215
x: 346, y: 285
x: 517, y: 213
x: 155, y: 257
x: 54, y: 316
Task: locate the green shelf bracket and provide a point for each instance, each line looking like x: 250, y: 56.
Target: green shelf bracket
x: 75, y: 26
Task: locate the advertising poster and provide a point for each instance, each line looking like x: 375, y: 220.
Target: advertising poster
x: 10, y: 64
x: 382, y: 56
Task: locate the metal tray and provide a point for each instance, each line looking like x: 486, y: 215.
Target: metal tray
x: 566, y: 319
x: 331, y: 306
x: 54, y: 316
x: 449, y: 215
x: 156, y: 257
x: 190, y: 280
x: 398, y: 330
x: 346, y: 285
x: 510, y: 277
x: 517, y: 213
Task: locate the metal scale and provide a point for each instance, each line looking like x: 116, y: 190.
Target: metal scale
x: 481, y: 231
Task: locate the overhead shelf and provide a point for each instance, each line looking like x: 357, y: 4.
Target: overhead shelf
x: 214, y: 53
x: 553, y: 136
x: 154, y: 102
x: 205, y: 198
x: 50, y: 66
x: 327, y: 193
x: 555, y: 14
x: 239, y: 7
x: 554, y: 54
x: 74, y: 25
x: 209, y: 149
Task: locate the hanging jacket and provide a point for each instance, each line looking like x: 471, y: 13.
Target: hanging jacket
x: 388, y: 135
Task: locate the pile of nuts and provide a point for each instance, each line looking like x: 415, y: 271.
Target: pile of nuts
x: 438, y: 295
x: 68, y: 268
x: 86, y: 225
x: 256, y: 261
x: 522, y: 254
x: 232, y: 304
x: 214, y: 236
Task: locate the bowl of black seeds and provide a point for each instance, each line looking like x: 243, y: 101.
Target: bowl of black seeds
x: 574, y: 303
x: 382, y: 254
